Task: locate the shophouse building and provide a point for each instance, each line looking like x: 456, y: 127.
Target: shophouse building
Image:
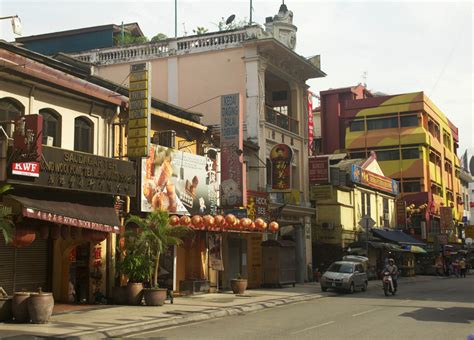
x: 415, y: 143
x: 260, y: 65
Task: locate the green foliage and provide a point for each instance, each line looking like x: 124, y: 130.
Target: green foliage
x: 159, y: 37
x: 128, y: 39
x: 200, y: 30
x: 6, y: 223
x: 154, y: 237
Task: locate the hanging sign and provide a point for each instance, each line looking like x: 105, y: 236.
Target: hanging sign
x: 27, y: 146
x: 257, y: 205
x: 138, y: 138
x: 401, y: 214
x: 318, y: 170
x: 281, y: 157
x: 310, y: 123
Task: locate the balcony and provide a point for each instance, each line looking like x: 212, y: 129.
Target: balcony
x: 281, y: 120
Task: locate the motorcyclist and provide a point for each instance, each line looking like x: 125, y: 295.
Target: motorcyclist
x: 393, y: 271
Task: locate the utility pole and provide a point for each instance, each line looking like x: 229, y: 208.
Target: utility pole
x: 250, y: 21
x: 176, y: 18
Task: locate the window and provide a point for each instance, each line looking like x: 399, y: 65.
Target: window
x: 435, y: 229
x: 386, y: 212
x: 447, y: 139
x: 408, y: 121
x: 388, y: 155
x: 357, y: 125
x: 382, y: 123
x: 449, y: 195
x: 365, y: 200
x: 10, y: 109
x: 51, y: 126
x: 360, y: 154
x: 83, y: 135
x: 410, y: 153
x: 411, y: 187
x: 436, y: 189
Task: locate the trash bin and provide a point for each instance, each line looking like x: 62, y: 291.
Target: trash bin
x: 279, y: 262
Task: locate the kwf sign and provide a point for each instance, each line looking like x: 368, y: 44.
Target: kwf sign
x: 30, y: 169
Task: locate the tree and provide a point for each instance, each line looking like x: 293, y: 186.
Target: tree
x: 200, y: 30
x: 159, y: 37
x: 129, y: 39
x: 154, y: 236
x: 6, y: 224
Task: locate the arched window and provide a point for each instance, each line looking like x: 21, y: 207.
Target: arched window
x: 10, y: 109
x: 83, y: 135
x: 51, y: 126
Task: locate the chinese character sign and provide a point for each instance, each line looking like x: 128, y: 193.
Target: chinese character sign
x: 232, y: 174
x: 318, y: 170
x: 281, y: 156
x: 310, y: 123
x: 257, y: 204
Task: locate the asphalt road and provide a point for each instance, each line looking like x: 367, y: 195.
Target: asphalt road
x: 439, y: 309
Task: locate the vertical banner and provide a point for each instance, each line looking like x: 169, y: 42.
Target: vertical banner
x: 310, y: 123
x: 401, y: 214
x: 215, y: 251
x: 446, y: 218
x: 232, y: 172
x: 257, y: 205
x: 281, y: 156
x: 139, y: 116
x: 27, y: 145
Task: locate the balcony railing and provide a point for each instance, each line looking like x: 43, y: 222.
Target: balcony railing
x: 281, y: 120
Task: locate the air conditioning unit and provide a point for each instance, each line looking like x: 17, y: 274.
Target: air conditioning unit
x: 165, y: 138
x: 49, y: 140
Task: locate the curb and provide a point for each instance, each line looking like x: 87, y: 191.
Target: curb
x: 187, y: 319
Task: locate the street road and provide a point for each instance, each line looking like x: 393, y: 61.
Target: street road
x: 439, y: 309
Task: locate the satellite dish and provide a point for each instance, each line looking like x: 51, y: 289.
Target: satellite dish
x: 230, y: 19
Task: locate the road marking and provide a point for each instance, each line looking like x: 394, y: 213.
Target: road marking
x: 313, y: 327
x: 156, y: 330
x: 367, y: 311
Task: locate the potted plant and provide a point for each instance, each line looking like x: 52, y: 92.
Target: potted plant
x: 6, y: 227
x: 154, y: 237
x: 238, y: 285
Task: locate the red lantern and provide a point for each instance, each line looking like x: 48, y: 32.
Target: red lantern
x: 265, y: 225
x: 93, y: 236
x: 174, y: 220
x: 196, y: 220
x: 259, y: 223
x: 230, y: 219
x: 22, y: 237
x: 55, y: 232
x: 75, y: 232
x: 245, y: 223
x: 209, y: 221
x: 252, y: 226
x: 219, y: 221
x: 273, y: 226
x: 185, y: 220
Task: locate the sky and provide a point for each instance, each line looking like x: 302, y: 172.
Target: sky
x: 401, y: 46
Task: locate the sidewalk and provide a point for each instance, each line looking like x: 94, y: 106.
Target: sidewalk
x: 112, y: 321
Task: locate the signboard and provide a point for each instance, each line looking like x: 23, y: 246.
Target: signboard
x: 78, y: 171
x: 27, y: 145
x: 469, y: 231
x: 320, y: 192
x: 232, y: 172
x: 373, y: 180
x: 257, y: 205
x: 139, y: 116
x: 215, y: 251
x: 446, y: 218
x: 281, y: 156
x: 310, y: 123
x: 319, y: 170
x: 401, y: 207
x: 179, y: 182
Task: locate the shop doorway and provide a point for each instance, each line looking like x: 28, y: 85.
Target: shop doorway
x: 237, y: 258
x: 79, y: 274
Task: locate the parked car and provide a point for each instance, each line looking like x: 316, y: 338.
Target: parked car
x: 345, y: 275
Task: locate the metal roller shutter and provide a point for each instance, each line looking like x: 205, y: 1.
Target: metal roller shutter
x: 7, y: 265
x: 32, y: 266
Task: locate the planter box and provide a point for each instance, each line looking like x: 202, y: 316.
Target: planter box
x: 187, y: 287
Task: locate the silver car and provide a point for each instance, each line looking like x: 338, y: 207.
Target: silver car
x: 345, y: 275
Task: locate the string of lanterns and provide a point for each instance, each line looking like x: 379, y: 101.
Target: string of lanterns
x: 223, y: 223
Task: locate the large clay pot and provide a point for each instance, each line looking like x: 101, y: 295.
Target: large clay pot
x: 20, y: 307
x: 120, y: 295
x: 134, y: 293
x: 238, y: 285
x: 5, y: 309
x: 154, y: 296
x: 40, y: 307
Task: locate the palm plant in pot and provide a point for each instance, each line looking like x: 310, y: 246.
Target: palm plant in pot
x: 155, y: 236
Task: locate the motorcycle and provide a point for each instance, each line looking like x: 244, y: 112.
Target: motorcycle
x: 388, y: 284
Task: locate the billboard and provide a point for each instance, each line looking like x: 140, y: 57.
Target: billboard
x: 179, y: 182
x: 27, y: 146
x: 373, y: 180
x: 319, y: 170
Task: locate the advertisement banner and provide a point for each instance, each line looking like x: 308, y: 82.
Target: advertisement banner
x: 374, y: 180
x: 281, y: 157
x: 310, y: 123
x: 319, y: 170
x: 215, y: 251
x: 27, y: 145
x: 257, y: 205
x: 401, y: 214
x: 179, y: 182
x: 232, y: 174
x: 446, y: 218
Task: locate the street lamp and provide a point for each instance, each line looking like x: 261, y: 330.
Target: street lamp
x: 16, y: 23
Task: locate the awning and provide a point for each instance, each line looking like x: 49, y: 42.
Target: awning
x: 416, y: 249
x: 68, y: 213
x: 396, y: 236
